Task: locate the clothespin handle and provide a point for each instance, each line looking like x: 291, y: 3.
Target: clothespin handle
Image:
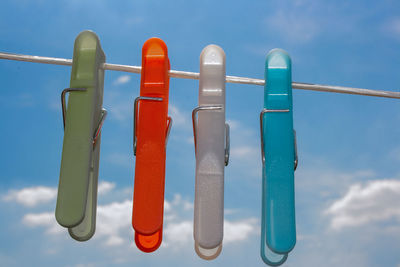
x: 278, y: 153
x: 77, y: 190
x: 151, y: 127
x: 211, y: 136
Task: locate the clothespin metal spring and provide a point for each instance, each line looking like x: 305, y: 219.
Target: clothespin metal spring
x: 227, y: 136
x: 135, y: 113
x: 64, y: 111
x: 296, y: 160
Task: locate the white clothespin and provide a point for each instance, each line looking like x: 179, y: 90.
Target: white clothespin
x: 211, y: 139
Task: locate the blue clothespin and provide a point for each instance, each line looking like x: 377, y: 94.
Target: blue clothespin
x: 279, y: 156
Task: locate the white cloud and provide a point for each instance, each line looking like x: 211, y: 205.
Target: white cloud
x: 123, y: 79
x: 391, y: 27
x: 331, y: 183
x: 46, y: 219
x: 178, y: 234
x: 233, y: 124
x: 120, y: 105
x: 394, y: 154
x: 300, y: 22
x: 182, y: 129
x: 179, y: 118
x: 120, y: 159
x: 85, y: 265
x: 305, y: 21
x: 31, y: 196
x: 121, y: 108
x: 114, y: 223
x: 181, y: 233
x: 25, y: 100
x: 188, y: 206
x: 22, y: 100
x: 244, y: 159
x: 377, y: 201
x: 190, y: 140
x: 105, y: 187
x: 245, y: 151
x: 134, y: 20
x: 239, y: 230
x: 294, y: 24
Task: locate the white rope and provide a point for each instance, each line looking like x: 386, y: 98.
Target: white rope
x: 195, y: 76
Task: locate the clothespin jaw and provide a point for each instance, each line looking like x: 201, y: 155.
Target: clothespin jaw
x: 83, y: 118
x: 279, y: 156
x: 151, y: 129
x: 211, y: 138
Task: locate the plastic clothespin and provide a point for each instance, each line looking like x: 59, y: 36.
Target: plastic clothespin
x: 151, y: 130
x: 211, y: 139
x: 279, y: 157
x: 83, y: 119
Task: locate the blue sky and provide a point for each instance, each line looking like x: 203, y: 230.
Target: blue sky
x: 348, y: 179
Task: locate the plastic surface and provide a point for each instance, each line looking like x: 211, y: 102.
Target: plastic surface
x: 148, y: 198
x: 271, y: 258
x: 210, y: 155
x: 278, y: 210
x: 77, y: 189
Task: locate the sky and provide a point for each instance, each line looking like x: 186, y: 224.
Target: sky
x: 348, y: 179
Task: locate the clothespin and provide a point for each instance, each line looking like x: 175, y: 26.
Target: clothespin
x: 211, y: 139
x: 151, y: 130
x: 83, y: 119
x: 279, y: 157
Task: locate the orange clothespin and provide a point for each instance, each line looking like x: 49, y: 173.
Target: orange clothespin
x: 151, y: 130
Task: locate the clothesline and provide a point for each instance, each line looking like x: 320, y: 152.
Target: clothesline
x: 195, y: 76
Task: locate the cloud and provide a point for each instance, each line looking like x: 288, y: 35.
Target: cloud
x: 45, y: 219
x: 391, y: 27
x: 181, y: 233
x: 240, y: 146
x: 294, y: 25
x: 239, y: 230
x: 301, y: 22
x: 179, y: 118
x: 178, y: 234
x: 244, y: 159
x: 112, y: 220
x: 123, y: 79
x: 120, y: 159
x: 105, y: 187
x: 22, y: 100
x: 245, y: 151
x: 233, y: 124
x: 376, y: 201
x: 33, y: 196
x: 120, y: 106
x: 394, y: 154
x: 331, y: 183
x: 182, y: 128
x: 306, y: 21
x: 113, y: 224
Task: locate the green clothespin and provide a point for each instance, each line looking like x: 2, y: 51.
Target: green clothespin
x: 83, y: 118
